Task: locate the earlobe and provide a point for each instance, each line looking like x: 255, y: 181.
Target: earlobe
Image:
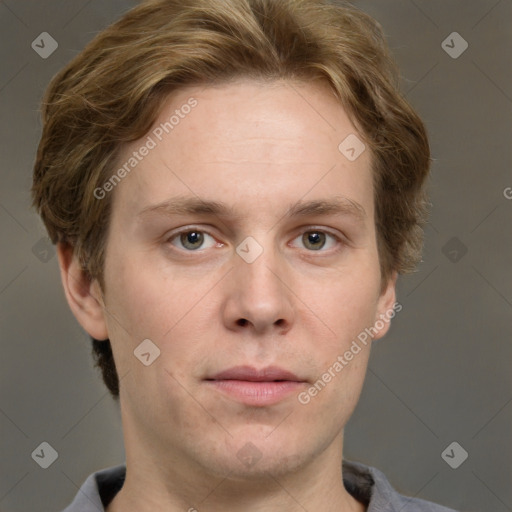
x: 83, y: 295
x: 386, y: 307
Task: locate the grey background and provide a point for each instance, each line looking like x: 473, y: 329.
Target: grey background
x: 441, y: 375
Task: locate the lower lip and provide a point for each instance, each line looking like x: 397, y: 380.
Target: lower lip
x: 257, y: 393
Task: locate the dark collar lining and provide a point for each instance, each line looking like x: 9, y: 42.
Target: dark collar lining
x: 110, y: 484
x: 358, y: 482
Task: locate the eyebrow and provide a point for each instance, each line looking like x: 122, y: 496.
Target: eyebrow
x: 183, y: 205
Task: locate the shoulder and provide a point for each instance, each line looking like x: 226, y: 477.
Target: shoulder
x: 371, y: 486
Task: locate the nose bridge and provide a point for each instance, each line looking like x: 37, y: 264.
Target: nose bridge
x: 258, y: 267
x: 260, y: 294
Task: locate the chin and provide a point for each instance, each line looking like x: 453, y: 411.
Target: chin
x: 254, y: 455
x: 252, y: 465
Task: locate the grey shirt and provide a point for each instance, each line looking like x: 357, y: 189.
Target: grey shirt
x: 365, y: 483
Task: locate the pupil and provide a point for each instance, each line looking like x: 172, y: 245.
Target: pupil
x: 315, y: 239
x: 192, y: 238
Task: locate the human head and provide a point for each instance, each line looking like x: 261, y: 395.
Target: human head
x: 112, y: 92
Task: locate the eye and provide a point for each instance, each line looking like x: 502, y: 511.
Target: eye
x: 191, y: 240
x: 315, y: 240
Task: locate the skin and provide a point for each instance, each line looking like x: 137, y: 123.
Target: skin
x: 259, y: 148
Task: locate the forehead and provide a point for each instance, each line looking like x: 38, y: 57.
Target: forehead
x: 280, y: 114
x: 256, y: 138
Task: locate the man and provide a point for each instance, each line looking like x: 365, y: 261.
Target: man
x: 234, y: 186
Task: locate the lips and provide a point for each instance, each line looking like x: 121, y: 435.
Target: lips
x: 253, y: 387
x: 250, y: 374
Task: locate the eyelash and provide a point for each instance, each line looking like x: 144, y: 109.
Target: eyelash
x: 310, y: 229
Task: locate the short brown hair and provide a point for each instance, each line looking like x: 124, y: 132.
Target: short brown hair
x: 110, y: 94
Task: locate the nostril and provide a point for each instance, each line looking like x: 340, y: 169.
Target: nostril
x: 242, y: 322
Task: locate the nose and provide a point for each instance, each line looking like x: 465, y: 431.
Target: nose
x: 259, y: 297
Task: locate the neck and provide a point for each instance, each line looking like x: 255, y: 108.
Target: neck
x: 172, y: 478
x: 151, y: 487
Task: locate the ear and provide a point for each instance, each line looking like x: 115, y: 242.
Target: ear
x: 386, y: 307
x: 83, y: 295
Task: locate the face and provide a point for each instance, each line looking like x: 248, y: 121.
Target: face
x: 243, y: 246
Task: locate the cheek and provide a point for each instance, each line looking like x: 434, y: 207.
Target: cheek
x: 133, y: 307
x: 148, y: 302
x: 135, y: 298
x: 341, y: 355
x: 145, y: 299
x: 351, y: 302
x: 347, y: 303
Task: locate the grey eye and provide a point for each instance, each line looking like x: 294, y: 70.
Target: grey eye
x: 314, y: 240
x: 191, y: 240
